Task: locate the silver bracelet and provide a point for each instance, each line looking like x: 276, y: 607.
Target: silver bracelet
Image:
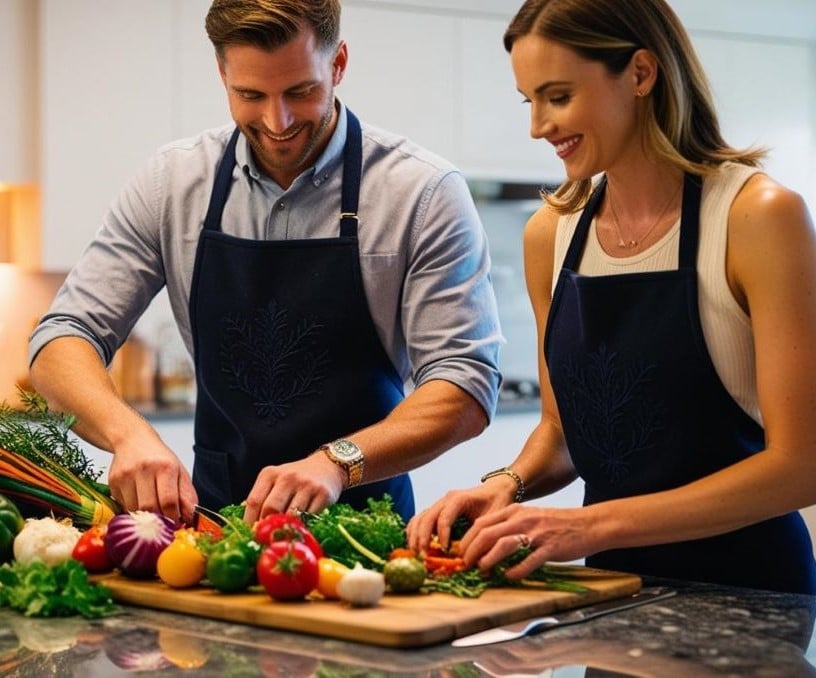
x: 506, y: 471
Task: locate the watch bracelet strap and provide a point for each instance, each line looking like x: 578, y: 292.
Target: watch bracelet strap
x: 354, y: 470
x: 355, y: 474
x: 507, y: 471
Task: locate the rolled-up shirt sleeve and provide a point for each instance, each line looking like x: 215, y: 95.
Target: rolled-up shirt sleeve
x: 449, y: 309
x: 116, y: 277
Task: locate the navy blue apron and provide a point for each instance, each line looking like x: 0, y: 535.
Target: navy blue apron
x: 643, y: 410
x: 286, y: 354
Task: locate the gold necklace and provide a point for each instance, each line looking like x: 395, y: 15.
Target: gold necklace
x: 632, y: 244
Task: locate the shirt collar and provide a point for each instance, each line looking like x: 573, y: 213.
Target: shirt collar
x: 323, y: 164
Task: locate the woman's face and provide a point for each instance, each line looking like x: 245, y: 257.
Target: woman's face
x: 586, y: 113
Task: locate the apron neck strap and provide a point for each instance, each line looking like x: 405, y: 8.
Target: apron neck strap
x: 222, y: 185
x: 576, y: 246
x: 689, y: 223
x: 352, y: 174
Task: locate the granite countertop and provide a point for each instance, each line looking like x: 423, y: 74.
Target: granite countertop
x: 703, y: 631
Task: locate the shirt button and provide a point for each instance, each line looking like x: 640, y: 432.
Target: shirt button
x: 281, y: 206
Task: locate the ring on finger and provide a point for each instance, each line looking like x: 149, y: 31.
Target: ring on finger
x: 523, y: 541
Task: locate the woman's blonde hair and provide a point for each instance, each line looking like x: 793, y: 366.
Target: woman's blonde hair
x: 681, y: 124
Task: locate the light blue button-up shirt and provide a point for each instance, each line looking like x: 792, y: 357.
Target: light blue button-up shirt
x: 423, y: 251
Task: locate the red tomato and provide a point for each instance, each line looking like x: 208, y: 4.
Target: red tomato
x: 284, y: 527
x: 90, y: 550
x: 288, y: 570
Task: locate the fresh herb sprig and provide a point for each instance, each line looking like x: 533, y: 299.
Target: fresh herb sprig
x: 472, y: 583
x: 36, y: 431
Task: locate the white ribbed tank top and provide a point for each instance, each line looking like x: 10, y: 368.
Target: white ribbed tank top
x: 726, y: 327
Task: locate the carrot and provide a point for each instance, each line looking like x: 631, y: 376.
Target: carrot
x: 21, y: 469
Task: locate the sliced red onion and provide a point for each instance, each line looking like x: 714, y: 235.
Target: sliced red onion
x: 134, y: 541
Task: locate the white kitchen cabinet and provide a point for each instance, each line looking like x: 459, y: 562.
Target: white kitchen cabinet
x: 199, y: 100
x: 494, y: 133
x: 394, y: 83
x: 458, y: 99
x: 106, y: 96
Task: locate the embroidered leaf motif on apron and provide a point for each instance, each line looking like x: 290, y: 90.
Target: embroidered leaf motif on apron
x: 611, y: 415
x: 272, y: 358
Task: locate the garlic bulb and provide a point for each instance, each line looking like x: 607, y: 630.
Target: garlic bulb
x: 361, y: 587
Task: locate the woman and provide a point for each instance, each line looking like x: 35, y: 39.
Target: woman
x: 674, y: 289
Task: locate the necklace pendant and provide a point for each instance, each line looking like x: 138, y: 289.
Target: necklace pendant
x: 627, y: 245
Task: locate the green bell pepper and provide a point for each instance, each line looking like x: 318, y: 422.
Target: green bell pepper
x: 11, y: 522
x: 231, y: 565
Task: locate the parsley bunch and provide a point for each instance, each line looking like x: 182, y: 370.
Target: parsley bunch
x: 351, y: 536
x: 38, y: 590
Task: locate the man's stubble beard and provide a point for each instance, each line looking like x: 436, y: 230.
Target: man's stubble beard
x: 275, y: 163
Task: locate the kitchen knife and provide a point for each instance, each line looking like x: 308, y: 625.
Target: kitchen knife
x: 582, y: 614
x: 205, y: 520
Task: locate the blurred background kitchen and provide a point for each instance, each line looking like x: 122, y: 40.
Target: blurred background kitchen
x: 90, y: 88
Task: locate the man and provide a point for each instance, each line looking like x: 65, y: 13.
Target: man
x: 313, y: 269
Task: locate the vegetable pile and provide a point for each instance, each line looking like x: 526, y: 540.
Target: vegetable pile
x: 69, y: 526
x: 339, y: 554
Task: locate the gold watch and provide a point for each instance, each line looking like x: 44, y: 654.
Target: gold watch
x: 346, y: 454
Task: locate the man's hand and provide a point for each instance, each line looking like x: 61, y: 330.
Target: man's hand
x: 309, y: 485
x: 148, y: 476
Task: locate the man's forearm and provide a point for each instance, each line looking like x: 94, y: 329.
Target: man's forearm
x: 435, y: 417
x: 69, y: 374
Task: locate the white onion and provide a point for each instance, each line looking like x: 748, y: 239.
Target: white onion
x: 134, y: 541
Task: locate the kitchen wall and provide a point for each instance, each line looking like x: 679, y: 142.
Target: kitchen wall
x: 143, y: 73
x: 116, y: 79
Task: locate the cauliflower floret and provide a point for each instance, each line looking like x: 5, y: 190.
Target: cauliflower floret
x: 46, y: 539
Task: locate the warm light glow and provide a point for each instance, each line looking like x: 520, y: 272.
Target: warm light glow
x: 20, y: 225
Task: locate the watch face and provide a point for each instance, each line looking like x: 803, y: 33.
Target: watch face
x: 345, y: 450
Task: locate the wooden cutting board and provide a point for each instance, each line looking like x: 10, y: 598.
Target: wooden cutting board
x: 398, y: 621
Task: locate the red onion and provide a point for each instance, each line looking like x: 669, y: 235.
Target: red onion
x: 134, y: 541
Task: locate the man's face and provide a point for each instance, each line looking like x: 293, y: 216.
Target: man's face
x: 283, y: 101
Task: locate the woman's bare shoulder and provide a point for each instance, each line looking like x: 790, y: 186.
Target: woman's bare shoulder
x: 764, y: 203
x: 541, y: 226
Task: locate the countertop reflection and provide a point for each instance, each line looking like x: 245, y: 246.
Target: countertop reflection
x: 703, y: 631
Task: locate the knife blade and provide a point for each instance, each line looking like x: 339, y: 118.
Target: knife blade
x: 501, y: 634
x: 205, y: 520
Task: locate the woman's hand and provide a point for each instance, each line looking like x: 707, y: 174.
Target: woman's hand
x: 439, y: 517
x: 552, y: 535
